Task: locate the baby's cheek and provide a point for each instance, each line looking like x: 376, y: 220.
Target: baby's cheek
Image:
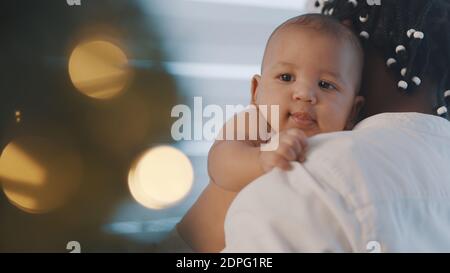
x: 332, y: 122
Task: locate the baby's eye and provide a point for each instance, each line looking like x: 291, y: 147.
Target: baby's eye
x: 286, y: 77
x: 326, y: 85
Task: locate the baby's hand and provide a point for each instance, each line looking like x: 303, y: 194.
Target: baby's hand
x: 292, y: 144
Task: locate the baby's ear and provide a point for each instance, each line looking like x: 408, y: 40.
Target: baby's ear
x: 256, y: 79
x: 358, y: 103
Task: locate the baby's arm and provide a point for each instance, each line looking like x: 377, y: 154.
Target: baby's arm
x: 232, y: 164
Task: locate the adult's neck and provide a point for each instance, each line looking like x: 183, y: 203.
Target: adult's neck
x: 379, y: 87
x: 420, y: 101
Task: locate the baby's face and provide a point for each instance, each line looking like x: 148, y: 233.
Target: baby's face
x: 313, y: 77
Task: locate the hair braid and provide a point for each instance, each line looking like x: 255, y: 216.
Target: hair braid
x: 414, y: 36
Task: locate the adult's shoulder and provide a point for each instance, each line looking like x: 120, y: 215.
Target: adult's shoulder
x: 370, y: 161
x: 358, y: 144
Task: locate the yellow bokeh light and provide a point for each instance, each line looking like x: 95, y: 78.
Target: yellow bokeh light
x: 16, y: 165
x: 39, y: 175
x: 161, y: 177
x: 99, y: 69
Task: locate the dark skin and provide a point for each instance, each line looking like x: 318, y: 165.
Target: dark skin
x: 379, y: 87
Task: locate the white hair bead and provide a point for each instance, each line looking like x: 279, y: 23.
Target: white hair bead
x: 354, y: 3
x: 390, y: 62
x: 403, y: 85
x: 410, y: 32
x: 419, y: 35
x: 441, y: 110
x: 403, y: 71
x: 364, y: 34
x: 447, y: 94
x: 331, y: 11
x: 417, y: 80
x: 400, y: 48
x: 364, y: 19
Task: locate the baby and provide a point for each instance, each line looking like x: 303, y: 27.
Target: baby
x: 311, y: 70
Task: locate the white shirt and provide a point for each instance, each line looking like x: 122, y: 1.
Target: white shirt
x: 384, y: 186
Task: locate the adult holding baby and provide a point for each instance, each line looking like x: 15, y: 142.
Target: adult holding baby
x: 388, y: 180
x: 397, y: 159
x: 311, y: 73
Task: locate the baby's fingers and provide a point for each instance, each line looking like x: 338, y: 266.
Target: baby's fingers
x: 287, y: 152
x: 300, y: 136
x: 302, y: 157
x: 283, y: 164
x: 294, y: 143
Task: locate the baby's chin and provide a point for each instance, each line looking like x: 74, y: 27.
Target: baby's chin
x: 310, y: 128
x: 308, y: 132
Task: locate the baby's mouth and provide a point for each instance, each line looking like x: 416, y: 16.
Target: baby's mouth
x: 302, y: 120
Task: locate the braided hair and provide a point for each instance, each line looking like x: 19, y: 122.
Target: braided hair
x: 413, y: 35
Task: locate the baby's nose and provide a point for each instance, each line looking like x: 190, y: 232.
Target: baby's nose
x: 305, y: 94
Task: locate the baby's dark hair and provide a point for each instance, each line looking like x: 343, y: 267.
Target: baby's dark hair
x: 325, y: 25
x: 413, y: 35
